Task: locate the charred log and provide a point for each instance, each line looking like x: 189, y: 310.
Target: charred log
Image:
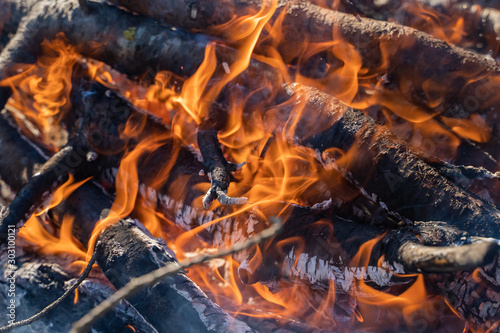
x: 303, y: 21
x: 176, y: 297
x: 477, y: 19
x: 97, y: 134
x: 476, y: 180
x: 162, y: 43
x: 37, y: 283
x: 330, y: 253
x: 475, y: 295
x: 161, y: 48
x: 385, y: 166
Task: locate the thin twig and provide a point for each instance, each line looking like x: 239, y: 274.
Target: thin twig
x: 136, y: 284
x: 58, y: 301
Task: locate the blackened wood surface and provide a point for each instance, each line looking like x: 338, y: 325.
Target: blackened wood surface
x: 385, y: 165
x: 38, y: 283
x: 128, y: 252
x: 89, y: 204
x: 418, y: 58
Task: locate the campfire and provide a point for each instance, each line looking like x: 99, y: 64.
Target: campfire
x: 249, y: 166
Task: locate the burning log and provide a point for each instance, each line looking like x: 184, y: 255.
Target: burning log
x: 177, y: 295
x: 302, y: 21
x: 335, y: 252
x: 153, y: 278
x: 160, y: 43
x: 430, y: 247
x: 466, y: 20
x: 157, y: 44
x: 383, y: 165
x: 483, y: 251
x: 479, y: 300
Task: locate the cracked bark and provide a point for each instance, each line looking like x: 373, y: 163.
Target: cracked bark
x: 417, y: 53
x: 87, y: 204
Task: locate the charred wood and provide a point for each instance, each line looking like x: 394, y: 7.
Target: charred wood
x: 15, y: 146
x: 395, y: 167
x: 38, y: 282
x: 218, y: 169
x: 50, y: 176
x: 329, y: 253
x: 176, y: 297
x: 303, y: 21
x: 477, y: 19
x: 161, y: 48
x: 97, y: 134
x: 152, y: 45
x: 385, y: 166
x: 157, y: 44
x: 476, y: 180
x: 89, y: 204
x: 475, y: 295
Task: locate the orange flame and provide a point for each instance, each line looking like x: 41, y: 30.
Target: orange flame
x: 75, y: 300
x: 278, y: 172
x: 34, y: 232
x: 475, y: 128
x: 62, y: 193
x: 127, y: 186
x: 41, y: 92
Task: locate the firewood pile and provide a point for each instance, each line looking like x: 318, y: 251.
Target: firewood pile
x: 249, y: 166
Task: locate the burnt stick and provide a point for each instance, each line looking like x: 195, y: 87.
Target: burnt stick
x: 74, y: 158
